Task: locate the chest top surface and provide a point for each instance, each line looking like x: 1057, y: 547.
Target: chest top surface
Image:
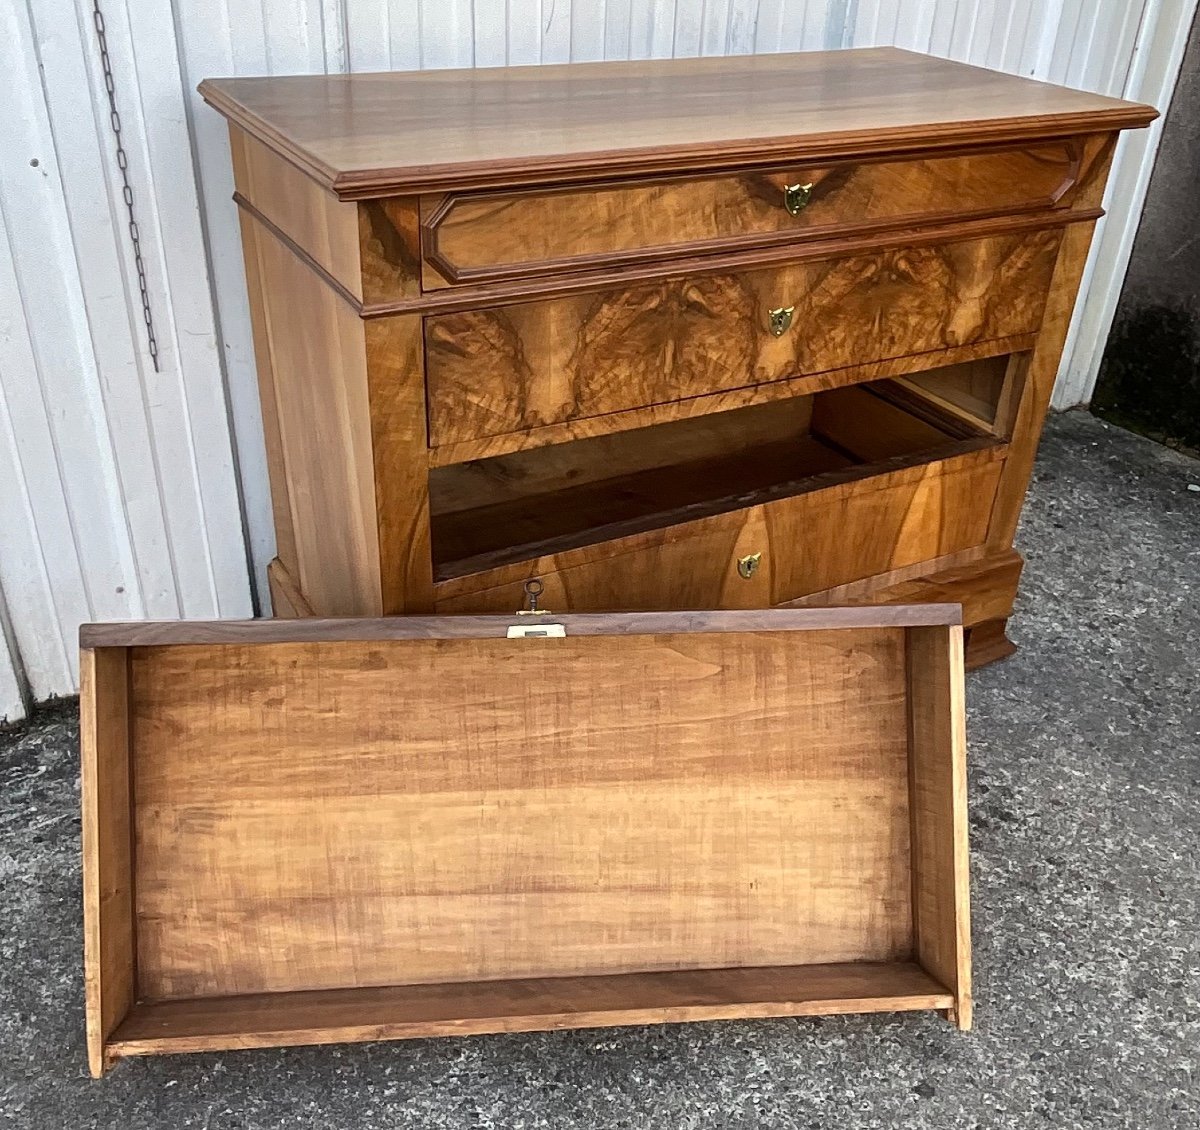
x: 367, y: 135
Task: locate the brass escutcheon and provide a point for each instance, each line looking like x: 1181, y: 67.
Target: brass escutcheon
x: 747, y: 566
x: 780, y: 319
x: 796, y: 197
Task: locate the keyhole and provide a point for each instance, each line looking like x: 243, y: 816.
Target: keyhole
x: 747, y: 566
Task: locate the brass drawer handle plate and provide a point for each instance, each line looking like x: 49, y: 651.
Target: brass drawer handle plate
x: 779, y: 319
x: 747, y: 566
x: 796, y: 197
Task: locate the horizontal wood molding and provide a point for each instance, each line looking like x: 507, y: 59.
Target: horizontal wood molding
x: 347, y: 629
x: 502, y: 294
x: 308, y: 260
x: 325, y: 227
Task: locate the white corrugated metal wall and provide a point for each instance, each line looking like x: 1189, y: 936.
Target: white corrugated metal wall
x: 126, y: 492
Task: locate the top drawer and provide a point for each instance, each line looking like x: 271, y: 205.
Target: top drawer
x: 484, y: 236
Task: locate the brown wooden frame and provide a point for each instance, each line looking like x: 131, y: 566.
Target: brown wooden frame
x: 123, y: 1022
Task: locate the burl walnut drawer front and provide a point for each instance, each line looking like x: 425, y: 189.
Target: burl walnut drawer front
x: 513, y: 368
x: 472, y: 237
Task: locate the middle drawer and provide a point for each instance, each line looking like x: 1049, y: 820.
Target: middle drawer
x: 515, y: 368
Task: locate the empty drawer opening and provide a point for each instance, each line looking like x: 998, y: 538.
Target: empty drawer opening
x: 525, y: 505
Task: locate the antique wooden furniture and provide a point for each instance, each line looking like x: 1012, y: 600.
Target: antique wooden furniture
x: 307, y: 831
x: 698, y: 333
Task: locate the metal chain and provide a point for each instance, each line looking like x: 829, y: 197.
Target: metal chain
x: 114, y: 120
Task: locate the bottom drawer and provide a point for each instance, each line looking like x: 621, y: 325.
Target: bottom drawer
x: 794, y: 546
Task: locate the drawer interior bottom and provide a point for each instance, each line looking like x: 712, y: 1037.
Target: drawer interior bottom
x: 520, y: 506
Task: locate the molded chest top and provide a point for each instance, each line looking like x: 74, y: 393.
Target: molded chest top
x: 369, y: 135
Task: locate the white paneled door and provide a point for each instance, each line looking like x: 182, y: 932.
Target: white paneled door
x: 127, y: 491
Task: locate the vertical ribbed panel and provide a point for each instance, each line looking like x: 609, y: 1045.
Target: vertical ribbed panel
x: 121, y: 493
x: 119, y: 490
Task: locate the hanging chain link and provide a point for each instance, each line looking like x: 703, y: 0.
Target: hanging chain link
x: 114, y: 120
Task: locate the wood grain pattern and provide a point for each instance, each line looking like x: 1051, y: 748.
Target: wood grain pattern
x: 307, y: 213
x: 1042, y: 368
x: 938, y: 767
x: 817, y: 541
x: 513, y: 368
x: 694, y: 807
x: 286, y: 547
x: 654, y: 818
x: 383, y: 134
x: 543, y: 471
x: 286, y: 598
x: 987, y: 642
x: 551, y: 500
x: 312, y: 360
x: 489, y: 236
x: 949, y: 374
x: 808, y: 542
x: 109, y: 961
x: 389, y: 247
x: 615, y: 274
x: 983, y: 582
x: 399, y: 445
x: 405, y: 1012
x: 151, y: 633
x: 978, y: 392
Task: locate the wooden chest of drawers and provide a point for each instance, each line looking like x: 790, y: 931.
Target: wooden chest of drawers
x: 667, y: 335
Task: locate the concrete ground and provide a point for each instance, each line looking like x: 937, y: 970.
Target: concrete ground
x: 1085, y: 819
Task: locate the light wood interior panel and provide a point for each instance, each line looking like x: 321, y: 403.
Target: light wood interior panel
x: 546, y: 470
x: 556, y: 499
x: 941, y: 871
x: 403, y: 1012
x: 871, y: 428
x: 402, y: 812
x: 977, y: 390
x: 110, y: 948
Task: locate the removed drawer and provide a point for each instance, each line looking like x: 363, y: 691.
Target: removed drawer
x: 514, y: 368
x: 488, y: 236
